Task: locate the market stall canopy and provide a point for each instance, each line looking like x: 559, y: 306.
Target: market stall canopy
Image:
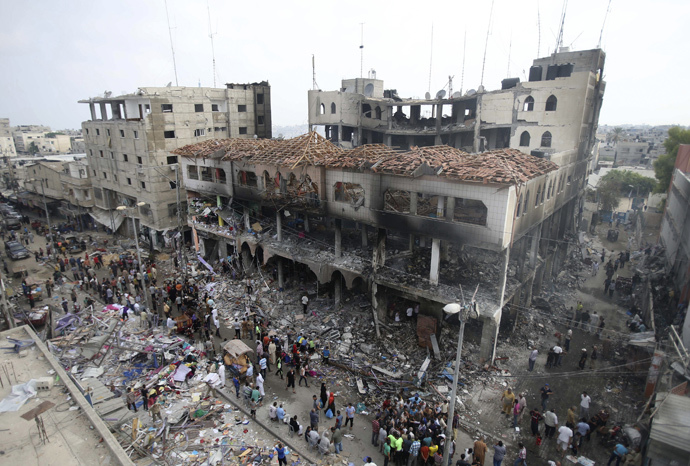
x: 104, y: 218
x: 236, y: 348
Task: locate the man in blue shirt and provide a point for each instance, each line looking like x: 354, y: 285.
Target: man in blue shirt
x: 618, y: 453
x: 280, y: 450
x: 280, y: 413
x: 350, y: 413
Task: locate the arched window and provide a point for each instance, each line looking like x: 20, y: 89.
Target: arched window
x: 524, y: 139
x: 333, y: 108
x: 551, y: 103
x: 378, y: 113
x: 546, y: 139
x: 322, y: 109
x: 366, y: 110
x: 548, y: 190
x: 543, y: 192
x: 529, y: 104
x: 538, y: 196
x: 526, y: 204
x: 519, y: 206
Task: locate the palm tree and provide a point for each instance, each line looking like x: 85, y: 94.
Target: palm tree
x: 615, y: 135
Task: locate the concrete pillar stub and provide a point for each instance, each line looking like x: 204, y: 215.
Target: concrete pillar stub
x: 435, y: 260
x: 487, y: 348
x: 413, y: 203
x: 365, y: 239
x: 281, y: 279
x: 306, y: 223
x: 338, y: 238
x: 338, y: 290
x: 279, y: 225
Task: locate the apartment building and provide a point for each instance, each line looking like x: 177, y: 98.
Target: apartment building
x: 129, y: 140
x: 7, y: 148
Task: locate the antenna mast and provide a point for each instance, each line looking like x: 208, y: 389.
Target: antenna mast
x: 604, y: 24
x: 559, y: 40
x: 464, y: 49
x: 486, y: 44
x: 361, y: 51
x: 510, y: 49
x: 539, y: 29
x: 431, y: 55
x: 171, y: 42
x: 213, y: 50
x: 313, y: 73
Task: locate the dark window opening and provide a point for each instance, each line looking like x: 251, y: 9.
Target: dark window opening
x: 125, y: 157
x: 214, y: 107
x: 243, y: 130
x: 519, y: 206
x: 173, y: 185
x: 200, y: 132
x: 366, y: 110
x: 524, y: 139
x: 529, y: 104
x: 333, y: 108
x: 122, y: 133
x: 546, y: 139
x: 349, y: 192
x: 248, y: 178
x: 397, y: 200
x: 198, y: 108
x: 526, y: 204
x: 260, y: 120
x: 206, y: 174
x: 377, y: 111
x: 259, y: 99
x: 172, y: 159
x: 220, y: 176
x: 129, y: 181
x: 143, y: 185
x: 98, y: 132
x: 192, y: 174
x: 470, y: 211
x: 169, y: 134
x: 551, y: 103
x: 166, y: 108
x: 140, y: 161
x: 241, y: 108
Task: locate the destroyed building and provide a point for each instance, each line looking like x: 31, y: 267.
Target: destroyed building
x: 129, y: 138
x: 432, y: 225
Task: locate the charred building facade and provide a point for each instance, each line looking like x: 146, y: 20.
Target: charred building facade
x: 431, y: 225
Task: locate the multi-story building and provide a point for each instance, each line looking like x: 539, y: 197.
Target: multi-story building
x: 23, y: 141
x: 675, y: 231
x: 54, y: 143
x: 129, y: 140
x: 7, y: 148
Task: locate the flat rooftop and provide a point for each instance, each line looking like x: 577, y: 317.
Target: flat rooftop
x: 75, y: 433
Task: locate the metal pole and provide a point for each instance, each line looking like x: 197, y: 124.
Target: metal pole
x: 141, y: 265
x: 45, y: 204
x: 183, y: 255
x: 454, y: 392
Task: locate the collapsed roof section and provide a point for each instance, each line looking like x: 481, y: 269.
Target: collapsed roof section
x: 501, y: 166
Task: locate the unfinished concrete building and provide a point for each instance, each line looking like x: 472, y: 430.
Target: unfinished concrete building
x: 429, y: 226
x: 129, y: 138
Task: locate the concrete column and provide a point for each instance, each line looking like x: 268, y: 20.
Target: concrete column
x: 439, y: 116
x: 534, y: 247
x: 477, y: 124
x: 413, y: 203
x: 503, y: 277
x: 487, y: 347
x: 422, y: 241
x: 529, y: 291
x: 388, y: 139
x: 245, y: 217
x: 222, y: 249
x: 104, y: 112
x: 279, y: 225
x: 306, y: 223
x: 338, y: 238
x: 281, y: 279
x: 247, y: 260
x: 365, y: 238
x: 521, y: 247
x: 340, y: 133
x: 379, y: 258
x: 92, y: 108
x: 449, y: 214
x: 435, y: 260
x: 338, y: 291
x: 375, y: 307
x: 411, y: 245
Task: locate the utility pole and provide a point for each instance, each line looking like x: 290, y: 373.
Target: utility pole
x: 142, y: 269
x: 45, y: 204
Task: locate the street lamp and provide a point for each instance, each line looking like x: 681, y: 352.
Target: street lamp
x: 136, y: 242
x: 462, y: 313
x: 45, y: 204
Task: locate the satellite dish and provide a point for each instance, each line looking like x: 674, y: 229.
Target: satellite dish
x: 369, y: 90
x: 452, y: 308
x: 427, y: 96
x: 441, y: 94
x: 471, y: 92
x: 457, y: 94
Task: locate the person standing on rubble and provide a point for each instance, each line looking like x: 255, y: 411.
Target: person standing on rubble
x: 131, y: 400
x: 290, y: 380
x: 583, y: 359
x: 568, y: 337
x: 545, y: 393
x: 305, y: 303
x: 550, y: 423
x: 533, y: 358
x: 508, y: 398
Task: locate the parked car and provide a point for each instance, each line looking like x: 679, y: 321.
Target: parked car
x: 11, y: 224
x: 15, y: 250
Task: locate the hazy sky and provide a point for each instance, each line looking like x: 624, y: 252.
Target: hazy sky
x: 55, y: 53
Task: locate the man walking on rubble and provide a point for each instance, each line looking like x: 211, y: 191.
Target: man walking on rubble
x: 305, y: 303
x: 533, y: 358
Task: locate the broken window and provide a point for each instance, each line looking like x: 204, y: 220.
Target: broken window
x: 206, y: 174
x: 166, y: 108
x: 524, y: 139
x: 551, y: 103
x: 247, y: 178
x: 98, y: 194
x: 241, y: 108
x: 169, y: 134
x: 259, y: 99
x: 322, y: 109
x: 529, y: 104
x: 140, y: 161
x: 98, y: 132
x: 378, y: 112
x: 136, y: 134
x: 546, y: 139
x: 333, y: 108
x: 129, y: 181
x: 101, y: 152
x: 192, y: 174
x: 396, y: 200
x: 349, y: 192
x: 105, y: 175
x: 198, y: 108
x: 200, y: 132
x: 125, y: 157
x: 143, y: 185
x: 470, y: 211
x: 519, y: 206
x: 220, y: 176
x: 366, y: 110
x: 171, y: 159
x: 427, y: 205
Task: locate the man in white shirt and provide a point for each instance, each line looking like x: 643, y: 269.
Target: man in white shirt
x: 212, y: 382
x: 410, y: 313
x: 221, y: 374
x: 171, y: 325
x: 565, y: 436
x: 585, y: 401
x: 532, y: 358
x: 305, y: 302
x: 559, y: 354
x: 550, y: 423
